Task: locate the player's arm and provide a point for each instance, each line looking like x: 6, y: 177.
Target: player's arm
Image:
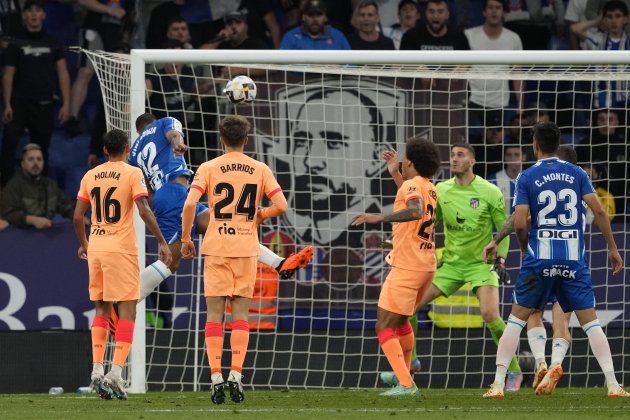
x: 603, y: 222
x: 278, y: 207
x: 177, y: 140
x: 149, y: 219
x: 188, y: 217
x: 520, y: 225
x: 412, y: 212
x: 393, y: 166
x: 79, y: 226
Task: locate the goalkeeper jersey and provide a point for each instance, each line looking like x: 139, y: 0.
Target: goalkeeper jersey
x: 468, y: 214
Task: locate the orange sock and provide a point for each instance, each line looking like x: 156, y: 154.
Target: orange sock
x: 394, y: 353
x: 99, y: 338
x: 406, y: 339
x: 124, y: 338
x: 214, y: 345
x: 238, y: 343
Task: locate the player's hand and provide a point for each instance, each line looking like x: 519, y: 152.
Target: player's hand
x: 82, y: 252
x: 259, y: 218
x: 188, y: 250
x: 391, y: 157
x: 179, y: 149
x: 615, y: 261
x: 489, y: 251
x: 165, y: 254
x: 499, y: 268
x: 366, y: 218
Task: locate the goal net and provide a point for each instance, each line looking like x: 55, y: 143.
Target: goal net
x: 321, y: 121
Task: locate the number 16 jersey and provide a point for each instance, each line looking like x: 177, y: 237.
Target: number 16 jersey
x: 235, y: 184
x: 111, y: 189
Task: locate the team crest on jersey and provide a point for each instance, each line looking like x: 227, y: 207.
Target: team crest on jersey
x: 433, y: 194
x: 474, y: 203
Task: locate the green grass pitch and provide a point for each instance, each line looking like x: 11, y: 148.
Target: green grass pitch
x: 566, y: 403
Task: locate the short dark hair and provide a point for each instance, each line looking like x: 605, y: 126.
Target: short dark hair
x: 513, y: 146
x: 115, y: 142
x: 144, y: 120
x: 466, y: 146
x: 503, y: 3
x: 438, y: 2
x: 567, y: 153
x: 366, y: 3
x: 424, y: 155
x: 233, y: 130
x: 175, y: 19
x: 548, y: 137
x: 613, y: 5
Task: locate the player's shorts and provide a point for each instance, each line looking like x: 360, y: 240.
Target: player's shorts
x: 403, y: 290
x: 450, y: 277
x: 114, y: 276
x: 568, y: 281
x: 168, y: 203
x: 229, y: 276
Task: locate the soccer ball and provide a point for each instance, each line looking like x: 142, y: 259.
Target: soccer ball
x: 240, y: 89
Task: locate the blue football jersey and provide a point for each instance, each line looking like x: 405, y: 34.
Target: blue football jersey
x: 553, y: 190
x: 153, y: 153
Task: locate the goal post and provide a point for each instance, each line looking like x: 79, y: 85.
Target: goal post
x: 358, y: 102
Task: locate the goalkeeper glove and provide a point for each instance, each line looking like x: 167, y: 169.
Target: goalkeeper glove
x: 502, y: 273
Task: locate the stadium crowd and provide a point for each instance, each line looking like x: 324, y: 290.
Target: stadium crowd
x: 51, y: 98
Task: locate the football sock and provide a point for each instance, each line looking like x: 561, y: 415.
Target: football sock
x: 413, y: 320
x: 537, y: 338
x: 214, y: 345
x: 238, y: 343
x: 507, y: 347
x: 406, y: 338
x: 124, y: 338
x: 151, y: 276
x: 599, y: 345
x: 267, y: 257
x: 559, y: 349
x: 100, y: 325
x: 394, y: 353
x: 496, y: 328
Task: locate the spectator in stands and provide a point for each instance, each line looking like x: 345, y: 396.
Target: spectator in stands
x: 367, y: 37
x: 408, y: 16
x: 314, y: 34
x: 489, y: 153
x: 262, y: 22
x: 597, y: 173
x: 235, y: 36
x: 594, y: 8
x: 533, y: 19
x: 177, y: 29
x: 160, y: 17
x: 575, y: 13
x: 435, y: 33
x: 10, y: 17
x: 606, y: 145
x: 613, y: 38
x: 505, y: 179
x: 31, y: 73
x: 31, y: 199
x: 107, y: 25
x: 488, y: 98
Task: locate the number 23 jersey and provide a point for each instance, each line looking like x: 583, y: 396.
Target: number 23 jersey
x: 414, y: 245
x: 235, y: 184
x: 111, y: 189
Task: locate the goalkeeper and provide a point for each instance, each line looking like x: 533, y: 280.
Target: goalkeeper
x: 468, y: 206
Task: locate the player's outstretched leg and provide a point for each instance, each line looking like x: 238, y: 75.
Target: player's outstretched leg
x: 293, y: 262
x: 549, y: 381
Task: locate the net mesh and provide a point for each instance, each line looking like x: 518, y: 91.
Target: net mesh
x: 322, y: 129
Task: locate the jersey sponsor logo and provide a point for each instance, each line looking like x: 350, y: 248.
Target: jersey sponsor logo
x: 460, y: 220
x: 226, y: 230
x: 474, y: 203
x: 558, y: 234
x: 559, y: 271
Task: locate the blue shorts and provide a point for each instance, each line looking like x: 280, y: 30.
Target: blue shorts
x: 541, y: 280
x: 168, y: 203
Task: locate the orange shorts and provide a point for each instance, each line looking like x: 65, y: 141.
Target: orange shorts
x: 403, y: 290
x: 229, y: 276
x: 114, y: 276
